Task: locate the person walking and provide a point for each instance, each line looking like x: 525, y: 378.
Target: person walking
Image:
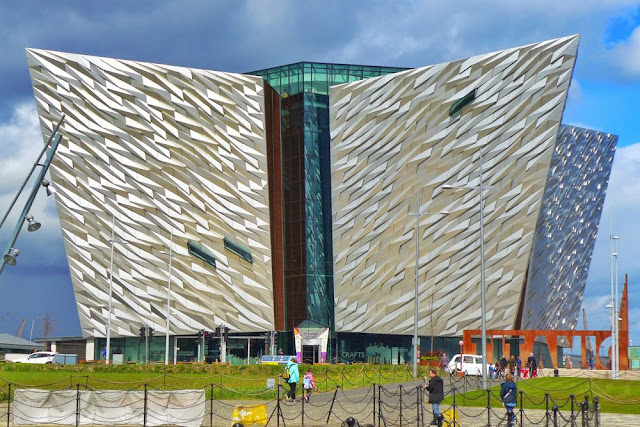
x: 435, y: 387
x: 308, y: 385
x: 294, y: 377
x: 444, y: 362
x: 509, y: 396
x: 511, y: 365
x: 532, y: 364
x: 518, y: 366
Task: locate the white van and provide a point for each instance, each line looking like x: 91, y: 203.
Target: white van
x: 470, y: 364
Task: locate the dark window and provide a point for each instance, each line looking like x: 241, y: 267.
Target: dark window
x: 466, y: 100
x: 237, y: 249
x: 196, y: 249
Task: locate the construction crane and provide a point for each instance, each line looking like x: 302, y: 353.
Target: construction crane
x: 19, y: 334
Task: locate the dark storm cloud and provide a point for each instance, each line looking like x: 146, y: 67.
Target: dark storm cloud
x: 223, y: 35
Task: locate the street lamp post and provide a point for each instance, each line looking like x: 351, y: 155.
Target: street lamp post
x: 166, y: 350
x: 614, y: 311
x: 418, y: 213
x: 113, y: 242
x: 483, y: 309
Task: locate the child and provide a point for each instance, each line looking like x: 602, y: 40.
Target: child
x: 308, y: 383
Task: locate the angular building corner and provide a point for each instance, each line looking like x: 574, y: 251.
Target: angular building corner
x: 156, y: 149
x: 567, y: 228
x: 405, y: 135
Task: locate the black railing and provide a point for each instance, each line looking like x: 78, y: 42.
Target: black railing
x: 374, y: 405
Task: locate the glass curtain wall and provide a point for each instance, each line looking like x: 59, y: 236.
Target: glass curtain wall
x: 304, y: 88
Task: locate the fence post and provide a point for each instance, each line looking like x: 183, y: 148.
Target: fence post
x: 374, y: 404
x: 573, y: 412
x: 326, y: 380
x: 521, y: 406
x: 596, y: 410
x: 418, y: 406
x: 332, y: 401
x: 211, y: 410
x: 77, y: 405
x: 454, y: 407
x: 546, y: 403
x: 279, y: 408
x: 555, y: 415
x: 302, y: 401
x: 342, y: 378
x: 9, y: 405
x: 144, y: 415
x: 400, y: 405
x: 583, y: 410
x: 488, y: 407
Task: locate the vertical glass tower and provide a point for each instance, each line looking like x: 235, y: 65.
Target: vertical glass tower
x: 308, y: 264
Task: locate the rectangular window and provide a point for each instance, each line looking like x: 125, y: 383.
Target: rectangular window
x: 198, y: 251
x: 238, y: 250
x: 456, y: 107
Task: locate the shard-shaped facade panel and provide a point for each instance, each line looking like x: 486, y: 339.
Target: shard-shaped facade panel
x: 398, y: 139
x: 567, y: 228
x: 149, y: 151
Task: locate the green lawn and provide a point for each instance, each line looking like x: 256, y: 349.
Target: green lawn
x: 617, y: 396
x: 227, y: 382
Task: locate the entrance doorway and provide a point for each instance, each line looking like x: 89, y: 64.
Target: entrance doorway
x: 310, y: 354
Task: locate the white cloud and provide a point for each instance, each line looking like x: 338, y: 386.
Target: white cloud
x: 22, y: 142
x: 626, y: 54
x: 622, y: 205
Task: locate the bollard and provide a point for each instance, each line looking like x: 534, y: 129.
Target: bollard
x: 572, y: 421
x: 596, y: 410
x: 583, y: 410
x: 521, y: 407
x: 302, y: 401
x: 454, y: 407
x: 555, y: 415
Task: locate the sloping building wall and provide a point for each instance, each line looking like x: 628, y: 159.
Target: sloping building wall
x: 393, y: 139
x: 567, y: 228
x: 154, y: 149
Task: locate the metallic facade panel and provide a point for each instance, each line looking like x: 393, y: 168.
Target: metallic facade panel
x: 567, y: 228
x: 392, y: 137
x: 161, y: 148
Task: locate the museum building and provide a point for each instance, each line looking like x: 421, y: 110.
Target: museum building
x: 317, y: 197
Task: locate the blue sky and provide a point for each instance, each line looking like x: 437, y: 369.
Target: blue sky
x: 247, y: 35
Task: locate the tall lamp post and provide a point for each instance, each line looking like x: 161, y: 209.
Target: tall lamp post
x: 112, y: 242
x: 166, y: 350
x: 483, y: 308
x: 418, y: 214
x: 615, y: 352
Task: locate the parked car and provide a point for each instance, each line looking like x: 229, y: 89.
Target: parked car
x: 470, y: 364
x: 41, y: 357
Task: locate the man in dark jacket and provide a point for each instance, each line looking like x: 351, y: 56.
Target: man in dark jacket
x: 509, y: 396
x: 436, y: 395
